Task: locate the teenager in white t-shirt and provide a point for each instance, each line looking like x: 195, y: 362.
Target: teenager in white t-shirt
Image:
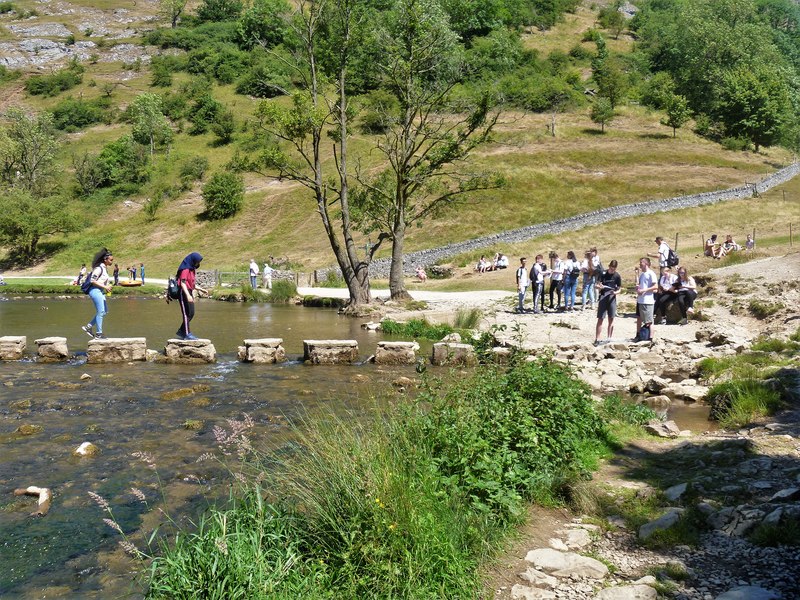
x: 645, y: 295
x: 523, y: 281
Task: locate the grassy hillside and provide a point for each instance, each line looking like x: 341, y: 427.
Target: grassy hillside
x: 576, y: 171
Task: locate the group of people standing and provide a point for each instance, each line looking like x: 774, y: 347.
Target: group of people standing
x: 266, y: 274
x: 600, y: 287
x: 115, y: 273
x: 100, y: 287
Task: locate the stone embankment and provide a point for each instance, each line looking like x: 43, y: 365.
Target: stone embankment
x: 380, y: 268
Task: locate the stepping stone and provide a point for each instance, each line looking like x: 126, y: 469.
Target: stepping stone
x: 116, y: 350
x: 330, y: 352
x: 564, y: 564
x: 396, y: 353
x: 12, y: 347
x: 189, y: 352
x: 262, y: 351
x: 449, y: 353
x: 52, y: 349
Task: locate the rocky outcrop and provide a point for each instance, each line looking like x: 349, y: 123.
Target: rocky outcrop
x: 52, y: 349
x: 451, y: 354
x: 116, y: 350
x: 262, y: 351
x: 396, y: 353
x: 330, y: 352
x: 188, y: 352
x: 12, y: 347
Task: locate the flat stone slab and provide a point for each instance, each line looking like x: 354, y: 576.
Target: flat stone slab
x: 12, y: 347
x: 449, y: 353
x: 52, y: 349
x: 330, y: 352
x: 396, y: 353
x: 628, y: 592
x: 117, y: 350
x: 748, y: 592
x: 262, y: 351
x: 190, y: 352
x: 565, y: 564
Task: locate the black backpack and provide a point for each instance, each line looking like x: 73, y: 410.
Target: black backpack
x: 86, y: 286
x: 672, y: 258
x: 173, y: 289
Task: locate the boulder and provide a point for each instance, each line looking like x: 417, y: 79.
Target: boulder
x: 628, y: 592
x: 748, y: 592
x: 330, y: 352
x: 675, y: 492
x: 524, y: 592
x: 538, y: 578
x: 189, y: 352
x: 786, y: 495
x: 52, y: 349
x: 452, y: 338
x: 501, y: 355
x: 263, y: 351
x: 445, y: 353
x: 86, y: 449
x: 575, y: 539
x: 396, y: 353
x: 665, y: 429
x: 565, y: 564
x: 12, y: 347
x: 116, y: 350
x: 665, y: 521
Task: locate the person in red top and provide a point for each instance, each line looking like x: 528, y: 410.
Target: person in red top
x: 186, y: 281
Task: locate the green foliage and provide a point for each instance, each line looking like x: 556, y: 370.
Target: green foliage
x: 602, y: 112
x: 735, y: 144
x: 268, y: 77
x: 72, y: 114
x: 739, y: 402
x: 738, y: 365
x: 615, y: 409
x: 161, y: 73
x: 189, y: 38
x: 193, y: 169
x: 6, y: 7
x: 215, y: 11
x: 224, y: 127
x: 677, y: 113
x: 785, y: 533
x: 332, y: 280
x: 25, y: 219
x: 7, y: 74
x: 657, y: 91
x: 379, y: 111
x: 778, y: 346
x: 28, y: 147
x: 467, y: 319
x: 499, y: 52
x: 223, y: 195
x: 150, y: 126
x: 761, y: 309
x: 283, y: 291
x: 54, y: 84
x: 416, y: 329
x: 264, y: 23
x: 611, y: 18
x: 203, y: 112
x: 123, y: 161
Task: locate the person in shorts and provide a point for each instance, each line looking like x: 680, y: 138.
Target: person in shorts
x: 647, y: 284
x: 608, y: 286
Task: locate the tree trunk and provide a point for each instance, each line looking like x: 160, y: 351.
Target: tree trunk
x: 397, y: 286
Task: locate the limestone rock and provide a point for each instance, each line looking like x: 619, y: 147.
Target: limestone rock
x: 557, y: 544
x: 565, y: 564
x: 187, y: 352
x: 86, y: 377
x: 86, y: 449
x: 628, y: 592
x: 577, y: 538
x: 263, y: 351
x: 29, y: 429
x: 786, y: 495
x: 116, y: 350
x: 665, y: 521
x: 52, y: 349
x: 396, y: 353
x: 748, y: 592
x: 12, y: 347
x: 665, y: 429
x: 524, y: 592
x: 538, y: 579
x: 330, y: 352
x: 445, y: 353
x: 675, y: 492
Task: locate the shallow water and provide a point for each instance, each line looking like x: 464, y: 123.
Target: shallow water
x: 69, y: 552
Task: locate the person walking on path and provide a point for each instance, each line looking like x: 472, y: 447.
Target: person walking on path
x: 556, y: 279
x: 100, y: 287
x: 266, y: 278
x: 141, y: 272
x: 645, y: 296
x: 572, y: 268
x: 116, y: 274
x: 187, y: 277
x: 608, y: 286
x: 523, y: 281
x: 253, y: 273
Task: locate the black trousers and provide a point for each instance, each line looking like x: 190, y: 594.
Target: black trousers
x: 187, y: 314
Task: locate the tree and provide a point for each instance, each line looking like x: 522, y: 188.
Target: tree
x: 25, y: 219
x: 611, y: 80
x: 150, y: 126
x: 602, y: 112
x: 424, y: 144
x: 215, y: 11
x: 223, y: 195
x: 293, y: 135
x: 171, y: 10
x: 28, y: 147
x: 678, y: 113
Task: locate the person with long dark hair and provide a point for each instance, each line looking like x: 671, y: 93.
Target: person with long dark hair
x: 186, y: 277
x: 101, y: 286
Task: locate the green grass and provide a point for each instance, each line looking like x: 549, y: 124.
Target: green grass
x: 762, y: 309
x: 467, y: 318
x: 47, y: 286
x: 416, y: 328
x: 404, y: 504
x: 785, y: 533
x: 739, y: 402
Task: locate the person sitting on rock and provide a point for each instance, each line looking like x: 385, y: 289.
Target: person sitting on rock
x: 729, y: 245
x: 666, y: 294
x: 750, y: 243
x: 421, y: 274
x: 686, y: 292
x: 482, y: 265
x: 712, y: 249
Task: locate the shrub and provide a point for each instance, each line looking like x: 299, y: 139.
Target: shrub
x: 580, y: 52
x: 223, y: 127
x: 54, y: 84
x: 73, y: 114
x: 416, y: 328
x: 761, y: 309
x: 379, y: 111
x: 6, y: 7
x: 591, y: 35
x: 219, y: 10
x: 203, y: 112
x: 332, y: 280
x: 786, y: 533
x: 267, y: 78
x: 223, y: 195
x: 615, y: 409
x: 194, y: 168
x: 282, y: 291
x: 8, y: 75
x: 263, y: 23
x: 735, y: 144
x: 738, y: 402
x: 467, y: 319
x: 124, y: 162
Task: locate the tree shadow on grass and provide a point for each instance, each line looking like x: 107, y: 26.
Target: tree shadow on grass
x: 655, y: 136
x: 592, y: 131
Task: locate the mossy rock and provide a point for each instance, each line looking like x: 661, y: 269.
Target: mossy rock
x: 28, y: 429
x: 201, y: 402
x: 177, y: 394
x: 193, y: 424
x: 201, y: 387
x: 20, y: 404
x: 93, y: 428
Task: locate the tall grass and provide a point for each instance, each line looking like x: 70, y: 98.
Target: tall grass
x: 283, y: 291
x: 402, y: 505
x: 739, y: 402
x: 416, y: 328
x: 467, y: 319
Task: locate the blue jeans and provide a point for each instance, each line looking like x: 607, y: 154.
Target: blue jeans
x: 253, y: 283
x: 588, y: 288
x: 570, y: 288
x: 100, y: 306
x: 521, y: 297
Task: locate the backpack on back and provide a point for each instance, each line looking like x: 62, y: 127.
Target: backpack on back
x: 86, y: 286
x: 173, y: 289
x: 672, y: 258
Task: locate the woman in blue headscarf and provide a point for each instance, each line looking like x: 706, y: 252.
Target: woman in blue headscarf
x: 186, y: 277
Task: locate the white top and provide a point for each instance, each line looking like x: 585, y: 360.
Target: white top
x: 100, y: 275
x: 253, y: 268
x: 538, y: 271
x: 596, y: 262
x: 523, y: 281
x: 570, y: 264
x: 663, y: 253
x: 585, y: 265
x: 647, y: 279
x: 502, y: 261
x: 267, y: 270
x: 667, y: 280
x: 557, y: 272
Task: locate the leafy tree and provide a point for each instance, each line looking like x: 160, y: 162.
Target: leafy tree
x: 612, y: 83
x: 123, y: 161
x: 215, y: 11
x: 223, y: 195
x: 150, y: 126
x: 611, y: 18
x: 223, y: 127
x: 602, y: 112
x: 264, y: 22
x: 25, y: 219
x: 678, y: 113
x: 203, y: 112
x: 424, y: 149
x: 171, y: 10
x: 28, y: 148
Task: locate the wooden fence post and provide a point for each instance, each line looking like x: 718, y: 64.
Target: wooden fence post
x: 791, y: 242
x: 676, y: 241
